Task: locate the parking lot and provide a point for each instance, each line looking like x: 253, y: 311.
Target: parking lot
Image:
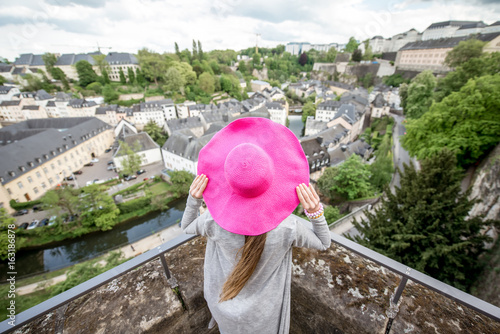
x: 99, y: 171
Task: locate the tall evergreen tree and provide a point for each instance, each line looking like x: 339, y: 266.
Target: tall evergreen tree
x: 195, y: 51
x: 131, y: 75
x: 177, y: 52
x: 200, y: 51
x: 425, y: 224
x: 123, y: 80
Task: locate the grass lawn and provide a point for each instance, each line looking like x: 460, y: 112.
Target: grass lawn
x: 160, y: 188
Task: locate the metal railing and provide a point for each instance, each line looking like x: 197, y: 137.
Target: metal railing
x: 406, y: 273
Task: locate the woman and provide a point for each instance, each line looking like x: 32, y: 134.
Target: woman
x: 252, y: 176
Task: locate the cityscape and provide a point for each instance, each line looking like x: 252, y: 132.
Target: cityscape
x: 401, y: 134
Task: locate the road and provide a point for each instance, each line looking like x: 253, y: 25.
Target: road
x: 400, y: 155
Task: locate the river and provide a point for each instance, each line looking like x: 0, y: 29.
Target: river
x: 92, y: 245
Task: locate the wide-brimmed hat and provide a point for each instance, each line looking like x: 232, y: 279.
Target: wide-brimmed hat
x: 253, y: 167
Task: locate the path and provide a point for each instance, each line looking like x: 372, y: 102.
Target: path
x: 128, y: 251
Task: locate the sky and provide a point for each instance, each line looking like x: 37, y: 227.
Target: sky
x: 74, y: 26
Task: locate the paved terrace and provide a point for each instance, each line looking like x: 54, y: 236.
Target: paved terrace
x: 345, y: 289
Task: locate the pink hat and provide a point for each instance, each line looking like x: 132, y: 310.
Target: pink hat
x: 253, y: 166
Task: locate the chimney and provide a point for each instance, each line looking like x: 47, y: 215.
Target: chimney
x: 319, y: 140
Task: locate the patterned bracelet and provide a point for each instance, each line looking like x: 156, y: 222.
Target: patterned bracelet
x: 315, y: 215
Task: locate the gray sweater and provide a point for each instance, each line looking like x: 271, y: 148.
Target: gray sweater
x: 263, y: 305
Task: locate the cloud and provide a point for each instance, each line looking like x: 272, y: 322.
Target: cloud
x: 85, y: 3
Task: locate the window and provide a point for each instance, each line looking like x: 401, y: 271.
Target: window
x: 45, y: 170
x: 44, y: 185
x: 57, y: 177
x: 66, y: 159
x: 38, y: 174
x: 52, y: 166
x: 50, y: 180
x: 71, y: 155
x: 30, y: 180
x: 35, y: 190
x: 20, y: 185
x: 9, y: 191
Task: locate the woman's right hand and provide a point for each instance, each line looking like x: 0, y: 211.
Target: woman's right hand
x: 308, y: 198
x: 198, y: 186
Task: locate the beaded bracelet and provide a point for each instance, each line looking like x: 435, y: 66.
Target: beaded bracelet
x: 315, y: 215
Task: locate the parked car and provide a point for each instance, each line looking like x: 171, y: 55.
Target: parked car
x: 24, y: 225
x: 52, y: 220
x: 131, y: 177
x: 20, y: 212
x: 37, y: 208
x: 44, y: 222
x: 32, y: 225
x: 111, y: 162
x: 111, y: 167
x: 69, y: 178
x: 89, y: 164
x: 78, y: 172
x: 107, y: 150
x: 141, y: 171
x: 95, y: 160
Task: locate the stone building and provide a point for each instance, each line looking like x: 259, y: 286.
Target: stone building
x: 37, y: 154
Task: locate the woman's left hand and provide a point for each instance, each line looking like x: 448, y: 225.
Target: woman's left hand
x: 308, y: 198
x: 198, y: 186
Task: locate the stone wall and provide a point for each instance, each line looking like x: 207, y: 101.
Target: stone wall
x: 334, y: 291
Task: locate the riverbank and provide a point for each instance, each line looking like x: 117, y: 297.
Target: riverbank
x: 128, y: 252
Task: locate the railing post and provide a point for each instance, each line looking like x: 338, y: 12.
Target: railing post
x: 171, y: 280
x: 394, y: 308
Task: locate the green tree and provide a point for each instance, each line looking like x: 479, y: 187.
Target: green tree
x: 6, y: 224
x: 177, y: 52
x: 207, y: 83
x: 200, y: 51
x: 132, y: 161
x: 49, y: 59
x: 141, y: 81
x: 62, y: 200
x: 98, y: 208
x: 242, y: 67
x: 195, y: 51
x: 109, y: 93
x: 123, y: 80
x: 131, y: 76
x: 153, y: 65
x: 356, y: 55
x: 425, y: 224
x: 467, y: 122
x: 105, y: 77
x: 351, y: 45
x: 368, y: 55
x: 464, y: 51
x: 155, y: 132
x: 403, y: 94
x: 487, y: 63
x: 96, y: 87
x: 2, y: 80
x: 256, y: 59
x: 173, y: 80
x: 101, y: 63
x: 86, y: 74
x: 309, y: 109
x: 181, y: 181
x: 58, y: 74
x: 382, y: 170
x: 332, y: 213
x: 420, y: 94
x: 186, y: 71
x: 331, y: 55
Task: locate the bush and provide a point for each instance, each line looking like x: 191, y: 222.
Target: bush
x: 24, y: 205
x: 134, y: 205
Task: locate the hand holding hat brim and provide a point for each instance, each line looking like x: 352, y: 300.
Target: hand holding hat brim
x: 308, y: 198
x: 198, y: 186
